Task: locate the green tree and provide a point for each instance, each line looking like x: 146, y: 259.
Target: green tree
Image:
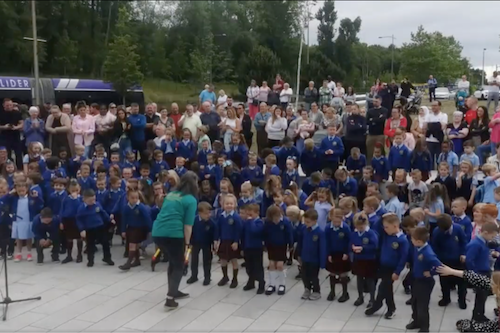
x: 121, y: 66
x: 348, y: 37
x: 327, y: 16
x: 261, y: 65
x: 67, y: 56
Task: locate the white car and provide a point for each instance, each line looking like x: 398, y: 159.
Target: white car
x: 443, y: 93
x: 482, y: 94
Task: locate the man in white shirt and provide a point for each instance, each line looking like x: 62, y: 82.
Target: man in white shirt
x: 190, y: 121
x: 331, y: 85
x: 464, y: 85
x: 285, y: 96
x: 493, y: 90
x: 433, y: 118
x: 104, y: 123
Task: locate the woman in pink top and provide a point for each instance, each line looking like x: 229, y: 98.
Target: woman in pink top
x: 495, y: 131
x: 83, y: 128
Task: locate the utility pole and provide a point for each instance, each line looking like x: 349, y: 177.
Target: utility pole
x: 35, y: 51
x: 308, y: 18
x: 482, y: 72
x: 392, y: 53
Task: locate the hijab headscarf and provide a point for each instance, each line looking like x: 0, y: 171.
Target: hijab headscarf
x: 421, y: 119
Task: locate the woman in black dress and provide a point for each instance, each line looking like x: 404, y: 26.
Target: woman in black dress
x: 246, y: 124
x: 121, y: 130
x: 58, y: 126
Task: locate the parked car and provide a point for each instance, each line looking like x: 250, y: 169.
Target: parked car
x: 443, y: 93
x: 482, y: 93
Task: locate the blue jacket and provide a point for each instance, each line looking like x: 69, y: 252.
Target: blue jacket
x: 337, y: 239
x: 215, y: 174
x: 421, y: 161
x: 308, y: 187
x: 243, y: 201
x: 249, y: 174
x: 381, y: 167
x: 356, y: 165
x: 204, y: 232
x: 172, y: 144
x: 47, y: 177
x: 284, y: 153
x: 69, y: 207
x: 394, y: 252
x: 368, y: 239
x: 91, y: 217
x: 449, y: 245
x: 424, y: 260
x: 236, y: 180
x: 35, y: 205
x: 34, y: 134
x: 238, y: 154
x: 348, y: 188
x: 229, y: 227
x: 334, y: 144
x: 349, y: 220
x: 252, y: 234
x: 466, y: 224
x: 278, y: 234
x: 138, y: 125
x: 186, y: 150
x: 477, y: 256
x: 180, y: 171
x: 313, y: 246
x: 399, y: 157
x: 138, y: 216
x: 55, y: 202
x: 310, y: 161
x: 286, y: 178
x: 46, y: 231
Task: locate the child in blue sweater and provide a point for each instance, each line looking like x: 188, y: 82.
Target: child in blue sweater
x: 337, y: 236
x: 399, y: 155
x: 380, y: 164
x: 313, y: 254
x: 332, y: 148
x: 295, y: 215
x: 46, y: 231
x: 291, y: 174
x: 458, y: 207
x: 355, y: 163
x: 252, y: 240
x: 364, y: 246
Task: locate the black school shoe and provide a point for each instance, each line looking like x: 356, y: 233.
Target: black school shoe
x: 108, y: 261
x: 171, y: 304
x: 206, y: 282
x: 270, y: 290
x: 412, y: 325
x: 192, y: 280
x: 181, y: 295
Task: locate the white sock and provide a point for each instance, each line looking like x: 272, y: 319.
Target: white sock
x: 281, y: 278
x: 272, y: 278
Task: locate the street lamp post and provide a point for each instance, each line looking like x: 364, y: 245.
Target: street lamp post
x: 392, y: 53
x: 35, y: 51
x: 212, y: 56
x: 482, y: 72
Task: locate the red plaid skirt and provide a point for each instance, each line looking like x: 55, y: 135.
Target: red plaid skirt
x: 225, y: 251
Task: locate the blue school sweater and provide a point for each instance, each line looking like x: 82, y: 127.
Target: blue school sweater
x: 356, y: 165
x: 399, y: 157
x: 477, y: 256
x: 202, y: 156
x: 288, y: 177
x: 157, y: 168
x: 250, y: 173
x: 102, y: 197
x: 348, y: 188
x: 368, y: 239
x: 138, y: 124
x: 5, y: 217
x: 349, y: 220
x: 284, y: 153
x: 236, y: 180
x: 274, y: 170
x: 55, y: 201
x: 35, y: 205
x: 337, y: 239
x: 466, y: 224
x: 91, y: 217
x: 114, y: 197
x: 47, y: 177
x: 309, y: 187
x: 168, y: 147
x: 449, y: 245
x: 253, y: 234
x: 313, y: 246
x: 229, y: 227
x: 214, y: 173
x: 204, y: 232
x: 180, y: 171
x: 310, y: 161
x: 332, y: 143
x: 421, y: 161
x: 266, y: 202
x: 238, y: 153
x: 69, y: 207
x: 394, y: 252
x: 46, y: 231
x: 104, y: 160
x: 424, y: 260
x: 186, y: 149
x: 298, y: 229
x: 137, y: 216
x: 86, y: 183
x: 302, y: 200
x: 376, y: 222
x: 278, y: 234
x: 381, y: 210
x: 381, y: 167
x: 245, y: 201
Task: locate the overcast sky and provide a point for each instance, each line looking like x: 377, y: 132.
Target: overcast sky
x: 474, y: 24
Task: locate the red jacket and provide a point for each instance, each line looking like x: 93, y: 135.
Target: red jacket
x: 390, y: 132
x: 470, y: 115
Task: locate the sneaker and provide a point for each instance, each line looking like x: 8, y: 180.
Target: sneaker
x: 306, y: 294
x: 29, y: 257
x: 18, y: 257
x: 10, y: 256
x: 192, y: 280
x: 314, y: 296
x: 270, y: 290
x: 171, y: 304
x: 390, y: 314
x: 281, y: 290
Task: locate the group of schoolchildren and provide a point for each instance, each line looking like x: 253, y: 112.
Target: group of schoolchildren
x: 249, y: 204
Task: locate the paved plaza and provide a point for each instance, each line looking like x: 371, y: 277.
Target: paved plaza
x: 103, y: 299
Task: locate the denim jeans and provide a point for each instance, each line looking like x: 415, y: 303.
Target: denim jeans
x: 482, y: 151
x: 493, y: 97
x: 125, y: 145
x: 86, y: 152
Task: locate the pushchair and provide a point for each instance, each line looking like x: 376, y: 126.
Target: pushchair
x: 460, y: 99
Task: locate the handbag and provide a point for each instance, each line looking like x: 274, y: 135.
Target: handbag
x: 255, y: 102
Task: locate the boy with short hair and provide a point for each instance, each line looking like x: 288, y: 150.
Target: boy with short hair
x: 490, y: 182
x: 393, y: 205
x: 449, y: 157
x: 310, y: 158
x: 409, y: 224
x: 419, y: 215
x: 458, y: 207
x: 449, y: 242
x: 45, y: 228
x: 417, y: 190
x: 425, y: 262
x: 399, y: 155
x: 252, y: 239
x: 380, y: 165
x: 393, y: 256
x: 331, y: 148
x: 355, y: 163
x: 469, y: 154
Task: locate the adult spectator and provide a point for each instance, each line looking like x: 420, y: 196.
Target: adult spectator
x: 472, y: 105
x: 457, y: 131
x: 305, y: 129
x: 338, y: 97
x: 212, y: 120
x: 279, y: 84
x: 172, y: 231
x: 192, y: 122
x: 112, y: 109
x: 387, y: 99
x: 246, y: 124
x: 331, y: 84
x: 104, y: 123
x: 164, y: 119
x: 121, y: 130
x: 417, y: 128
x: 229, y: 103
x: 285, y: 96
x: 432, y: 84
x: 276, y: 128
x: 493, y: 90
x: 253, y: 92
x: 34, y: 127
x: 406, y: 88
x: 66, y: 108
x: 221, y: 99
x: 264, y: 90
x: 11, y: 125
x: 480, y: 133
x: 310, y: 95
x: 393, y: 92
x: 392, y: 124
x: 151, y: 119
x: 495, y: 131
x: 273, y: 98
x: 137, y: 132
x: 464, y: 85
x: 58, y: 125
x: 45, y: 111
x: 376, y: 87
x: 350, y: 96
x: 229, y: 126
x: 208, y: 95
x: 176, y: 116
x: 355, y: 131
x: 260, y: 122
x: 83, y: 128
x: 289, y: 115
x: 434, y: 127
x: 375, y: 120
x: 325, y: 94
x: 316, y: 116
x: 94, y: 109
x: 330, y: 116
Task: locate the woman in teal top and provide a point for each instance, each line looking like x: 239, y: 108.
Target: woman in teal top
x: 172, y: 231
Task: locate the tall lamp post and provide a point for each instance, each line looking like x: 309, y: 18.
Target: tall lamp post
x: 482, y: 72
x: 392, y: 53
x: 35, y: 51
x: 212, y: 56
